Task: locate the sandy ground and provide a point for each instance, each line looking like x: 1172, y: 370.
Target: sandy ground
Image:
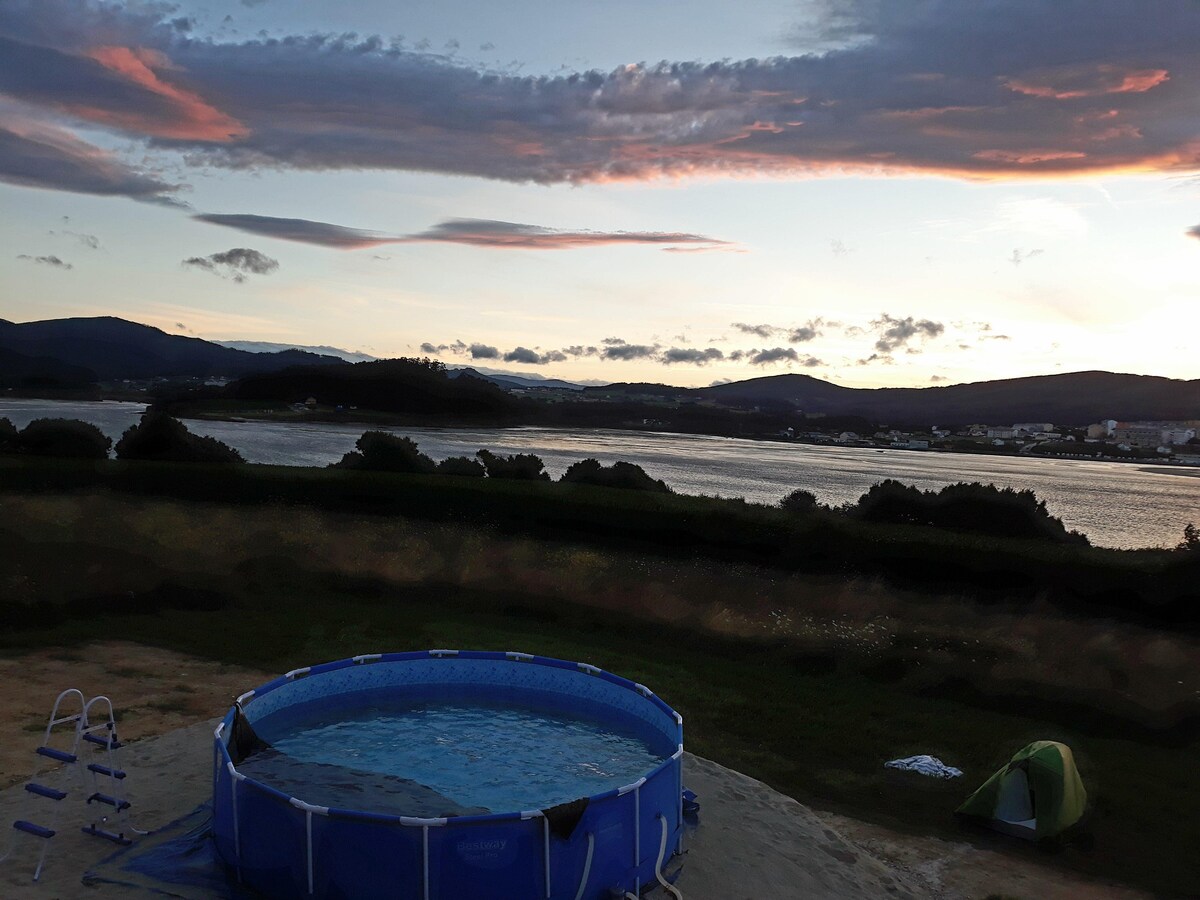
x: 752, y: 843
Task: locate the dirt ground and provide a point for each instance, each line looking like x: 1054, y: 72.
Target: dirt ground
x: 752, y: 842
x: 153, y: 691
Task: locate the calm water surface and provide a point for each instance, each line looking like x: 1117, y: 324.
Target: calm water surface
x: 1115, y: 504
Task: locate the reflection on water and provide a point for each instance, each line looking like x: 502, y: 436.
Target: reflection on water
x: 1115, y: 504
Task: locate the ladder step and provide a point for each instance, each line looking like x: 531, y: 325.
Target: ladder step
x: 42, y: 791
x: 105, y: 770
x: 35, y: 830
x: 111, y: 801
x: 60, y: 755
x: 107, y: 835
x: 102, y: 741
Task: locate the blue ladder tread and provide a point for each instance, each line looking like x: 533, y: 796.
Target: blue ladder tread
x: 60, y: 755
x: 105, y: 770
x: 102, y: 741
x: 35, y: 830
x: 107, y: 835
x: 42, y: 791
x: 111, y: 801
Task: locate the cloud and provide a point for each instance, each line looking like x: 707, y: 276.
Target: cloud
x: 691, y: 356
x: 471, y: 232
x: 483, y: 351
x: 895, y: 333
x: 937, y: 378
x: 839, y: 248
x: 626, y: 352
x: 236, y: 264
x: 532, y: 357
x: 42, y: 156
x: 88, y: 240
x: 762, y: 331
x: 1012, y: 88
x: 1194, y: 231
x: 882, y: 358
x: 52, y: 261
x: 304, y: 231
x: 1019, y: 256
x: 433, y: 349
x: 510, y: 235
x: 770, y: 357
x: 805, y: 333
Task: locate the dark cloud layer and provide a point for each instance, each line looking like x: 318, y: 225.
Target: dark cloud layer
x: 1005, y: 88
x: 471, y: 232
x: 492, y: 233
x: 1194, y: 231
x: 44, y: 157
x: 303, y: 230
x: 236, y: 264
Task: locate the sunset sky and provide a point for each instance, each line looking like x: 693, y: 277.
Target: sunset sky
x: 871, y: 192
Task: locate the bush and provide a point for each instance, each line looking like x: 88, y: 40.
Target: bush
x: 975, y: 507
x: 8, y: 437
x: 380, y: 451
x: 161, y: 437
x: 63, y: 437
x: 463, y: 466
x: 1191, y: 538
x: 799, y: 502
x: 619, y: 475
x: 520, y: 467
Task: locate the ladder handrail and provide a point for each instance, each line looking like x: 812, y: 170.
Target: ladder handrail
x: 55, y: 720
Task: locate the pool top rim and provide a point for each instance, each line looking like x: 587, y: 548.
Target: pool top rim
x: 513, y: 657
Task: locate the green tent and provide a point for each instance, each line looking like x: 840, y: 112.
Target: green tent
x: 1037, y: 795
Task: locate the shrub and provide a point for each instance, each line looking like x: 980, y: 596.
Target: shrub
x: 619, y: 475
x: 462, y: 466
x: 520, y: 467
x: 63, y: 437
x: 8, y: 437
x: 1191, y: 538
x: 799, y: 502
x: 159, y: 436
x: 975, y: 507
x: 380, y: 451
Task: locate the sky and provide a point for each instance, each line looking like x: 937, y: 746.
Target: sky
x: 868, y: 192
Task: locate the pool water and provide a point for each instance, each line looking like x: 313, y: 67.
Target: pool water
x: 446, y: 757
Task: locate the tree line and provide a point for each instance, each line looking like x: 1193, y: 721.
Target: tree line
x: 976, y: 508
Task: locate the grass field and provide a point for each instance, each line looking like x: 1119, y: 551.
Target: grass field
x: 809, y: 682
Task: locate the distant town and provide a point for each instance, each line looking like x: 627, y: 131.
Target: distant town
x: 1173, y: 442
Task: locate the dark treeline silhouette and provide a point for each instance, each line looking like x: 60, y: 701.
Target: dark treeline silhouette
x: 159, y: 437
x: 977, y: 508
x: 67, y: 438
x: 419, y: 388
x: 619, y: 475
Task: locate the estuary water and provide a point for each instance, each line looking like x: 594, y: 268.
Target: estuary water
x: 1115, y: 504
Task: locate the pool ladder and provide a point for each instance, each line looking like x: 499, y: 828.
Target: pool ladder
x: 102, y: 782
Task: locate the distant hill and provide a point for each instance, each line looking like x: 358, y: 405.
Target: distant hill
x: 32, y: 372
x: 115, y: 349
x: 320, y: 349
x: 1076, y: 398
x: 517, y: 381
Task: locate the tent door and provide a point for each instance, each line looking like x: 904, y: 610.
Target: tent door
x: 1015, y: 802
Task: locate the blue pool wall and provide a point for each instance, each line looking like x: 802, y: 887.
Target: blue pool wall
x: 285, y: 848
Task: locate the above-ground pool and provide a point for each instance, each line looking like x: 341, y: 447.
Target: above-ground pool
x: 448, y: 775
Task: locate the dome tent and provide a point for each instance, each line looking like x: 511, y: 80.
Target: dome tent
x: 1037, y: 795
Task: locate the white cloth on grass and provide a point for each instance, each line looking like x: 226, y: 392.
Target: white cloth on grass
x: 926, y: 765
